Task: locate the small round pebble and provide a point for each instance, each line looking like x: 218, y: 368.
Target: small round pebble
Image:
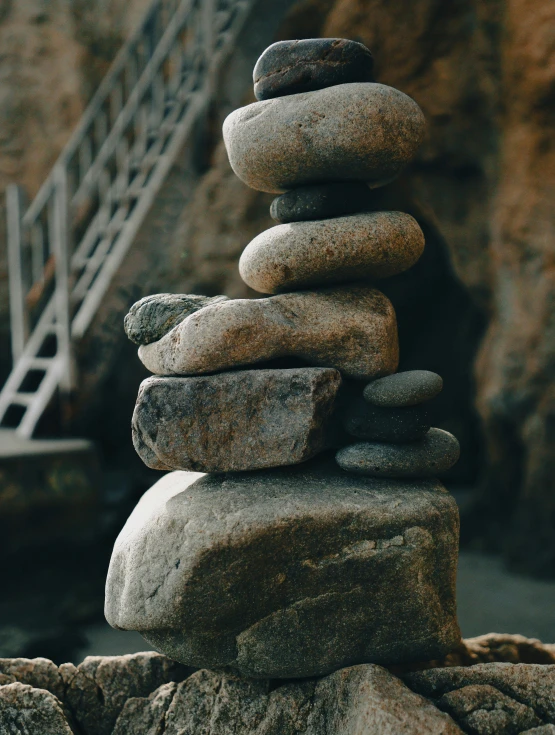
x: 321, y: 202
x: 376, y: 423
x: 435, y: 453
x: 404, y: 389
x: 290, y: 67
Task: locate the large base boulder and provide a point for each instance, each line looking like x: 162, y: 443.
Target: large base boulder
x: 291, y: 572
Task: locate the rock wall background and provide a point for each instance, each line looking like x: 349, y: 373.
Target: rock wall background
x: 478, y: 308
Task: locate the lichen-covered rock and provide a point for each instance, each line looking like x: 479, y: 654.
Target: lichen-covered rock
x: 291, y: 67
x: 350, y: 328
x: 154, y: 316
x: 338, y: 250
x: 243, y: 420
x: 322, y: 201
x: 351, y: 132
x: 288, y: 572
x: 361, y: 700
x: 435, y: 453
x: 28, y: 711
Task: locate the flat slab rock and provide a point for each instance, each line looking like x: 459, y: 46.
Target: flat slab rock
x: 290, y: 67
x: 435, y: 453
x: 303, y: 254
x: 244, y: 420
x: 350, y: 328
x: 288, y: 573
x: 350, y: 132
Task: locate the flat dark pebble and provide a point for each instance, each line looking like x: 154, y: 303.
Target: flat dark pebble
x: 385, y: 424
x: 291, y: 67
x: 404, y: 389
x: 322, y: 201
x: 434, y: 454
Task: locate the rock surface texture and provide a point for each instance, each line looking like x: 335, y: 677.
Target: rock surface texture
x: 243, y: 420
x: 321, y: 202
x: 291, y: 573
x: 147, y: 694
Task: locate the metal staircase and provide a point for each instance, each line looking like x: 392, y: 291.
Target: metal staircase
x: 64, y: 249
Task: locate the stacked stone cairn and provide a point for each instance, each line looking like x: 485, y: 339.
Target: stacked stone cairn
x: 262, y: 554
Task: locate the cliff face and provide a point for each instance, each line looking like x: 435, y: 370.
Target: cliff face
x: 482, y: 188
x: 53, y: 57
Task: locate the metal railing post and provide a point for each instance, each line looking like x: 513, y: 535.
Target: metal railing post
x: 60, y: 240
x: 14, y: 196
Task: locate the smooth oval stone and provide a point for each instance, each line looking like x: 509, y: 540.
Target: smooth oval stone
x: 154, y: 316
x: 290, y: 67
x: 404, y: 389
x: 352, y: 329
x: 351, y: 132
x: 300, y: 254
x: 321, y: 202
x: 436, y: 452
x: 385, y: 424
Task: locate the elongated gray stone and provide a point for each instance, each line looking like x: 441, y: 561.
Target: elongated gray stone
x: 304, y: 254
x: 351, y: 328
x: 435, y: 453
x: 350, y: 132
x: 154, y: 316
x: 408, y: 388
x: 289, y: 572
x: 242, y: 420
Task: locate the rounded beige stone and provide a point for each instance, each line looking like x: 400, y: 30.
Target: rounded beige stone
x: 350, y: 132
x: 350, y: 328
x: 300, y: 254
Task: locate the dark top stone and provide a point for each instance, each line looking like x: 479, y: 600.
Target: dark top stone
x: 290, y: 67
x: 385, y: 424
x: 404, y: 389
x: 322, y: 201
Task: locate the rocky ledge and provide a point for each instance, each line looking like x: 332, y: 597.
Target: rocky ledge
x: 491, y: 684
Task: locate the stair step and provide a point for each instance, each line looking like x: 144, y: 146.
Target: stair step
x: 23, y: 399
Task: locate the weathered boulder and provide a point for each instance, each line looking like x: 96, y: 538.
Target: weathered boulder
x: 361, y: 700
x: 243, y: 420
x: 350, y: 328
x: 338, y: 250
x: 289, y: 572
x: 97, y: 690
x: 30, y: 711
x: 350, y: 132
x: 291, y: 67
